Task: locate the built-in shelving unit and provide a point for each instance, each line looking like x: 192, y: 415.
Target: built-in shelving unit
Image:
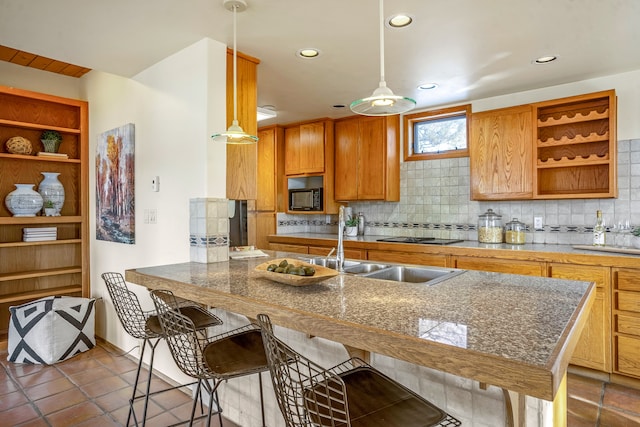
x: 575, y: 150
x: 32, y: 270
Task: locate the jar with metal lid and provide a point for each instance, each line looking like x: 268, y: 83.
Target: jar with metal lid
x: 514, y: 232
x: 490, y: 227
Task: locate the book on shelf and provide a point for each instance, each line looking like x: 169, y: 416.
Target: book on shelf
x: 38, y: 238
x: 39, y: 229
x: 46, y: 233
x: 56, y: 155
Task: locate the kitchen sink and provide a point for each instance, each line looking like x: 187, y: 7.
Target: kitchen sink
x: 330, y: 262
x: 412, y: 274
x: 366, y: 267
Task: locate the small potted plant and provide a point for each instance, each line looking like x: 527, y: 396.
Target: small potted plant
x: 51, y: 140
x: 49, y: 208
x: 351, y: 226
x: 635, y: 237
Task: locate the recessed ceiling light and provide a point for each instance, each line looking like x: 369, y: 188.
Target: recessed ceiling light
x: 308, y: 52
x: 545, y: 59
x: 400, y: 20
x: 427, y: 86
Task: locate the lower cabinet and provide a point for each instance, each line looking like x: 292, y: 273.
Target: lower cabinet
x: 594, y: 348
x: 528, y: 268
x: 301, y: 249
x: 626, y: 328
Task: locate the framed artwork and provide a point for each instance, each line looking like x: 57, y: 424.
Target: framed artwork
x: 115, y: 190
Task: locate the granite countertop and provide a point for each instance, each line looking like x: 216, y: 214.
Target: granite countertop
x: 527, y: 251
x: 480, y: 325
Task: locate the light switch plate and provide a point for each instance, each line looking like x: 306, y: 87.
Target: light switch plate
x: 538, y: 223
x: 155, y: 183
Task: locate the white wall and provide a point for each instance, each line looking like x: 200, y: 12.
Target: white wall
x: 175, y: 105
x: 22, y: 77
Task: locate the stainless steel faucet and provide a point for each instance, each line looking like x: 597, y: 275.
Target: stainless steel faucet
x: 340, y: 250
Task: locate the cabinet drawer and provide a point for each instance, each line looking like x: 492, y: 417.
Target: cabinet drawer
x: 408, y: 258
x: 289, y: 248
x: 529, y: 268
x: 627, y: 279
x: 628, y: 301
x: 629, y: 356
x: 324, y: 250
x: 628, y: 325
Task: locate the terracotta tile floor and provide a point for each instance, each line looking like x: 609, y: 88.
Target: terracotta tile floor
x: 90, y: 389
x: 93, y: 389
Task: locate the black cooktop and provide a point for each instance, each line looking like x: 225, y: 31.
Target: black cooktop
x: 420, y: 240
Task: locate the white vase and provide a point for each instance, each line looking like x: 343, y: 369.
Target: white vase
x: 24, y: 200
x: 51, y: 188
x: 351, y: 231
x: 635, y: 242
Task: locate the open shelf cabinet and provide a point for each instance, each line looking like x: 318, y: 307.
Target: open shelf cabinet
x: 32, y: 270
x: 575, y: 147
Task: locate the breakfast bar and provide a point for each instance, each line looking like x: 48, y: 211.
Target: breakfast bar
x: 509, y: 331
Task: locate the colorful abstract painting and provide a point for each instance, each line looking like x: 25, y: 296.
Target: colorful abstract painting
x: 115, y: 195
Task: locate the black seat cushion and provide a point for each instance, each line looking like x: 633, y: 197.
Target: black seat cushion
x: 201, y: 319
x: 236, y: 354
x: 376, y: 400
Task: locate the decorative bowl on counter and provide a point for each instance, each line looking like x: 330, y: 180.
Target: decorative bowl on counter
x: 321, y: 273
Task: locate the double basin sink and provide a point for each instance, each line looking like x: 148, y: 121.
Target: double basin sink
x: 393, y: 272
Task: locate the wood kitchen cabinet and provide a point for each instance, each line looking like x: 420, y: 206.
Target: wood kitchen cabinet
x: 594, y: 348
x: 508, y: 266
x: 436, y: 260
x: 242, y: 158
x: 626, y: 321
x: 500, y: 154
x: 367, y: 158
x: 32, y: 270
x: 576, y: 147
x: 304, y: 147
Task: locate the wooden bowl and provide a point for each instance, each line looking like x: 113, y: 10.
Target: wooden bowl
x: 322, y: 273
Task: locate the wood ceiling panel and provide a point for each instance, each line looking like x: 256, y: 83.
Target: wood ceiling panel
x: 32, y: 60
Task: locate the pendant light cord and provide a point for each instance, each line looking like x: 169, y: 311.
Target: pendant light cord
x: 235, y: 68
x: 382, y: 82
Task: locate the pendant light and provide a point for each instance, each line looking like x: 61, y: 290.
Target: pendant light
x: 235, y: 134
x: 382, y: 102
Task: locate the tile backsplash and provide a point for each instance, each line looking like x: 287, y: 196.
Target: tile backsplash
x: 434, y: 201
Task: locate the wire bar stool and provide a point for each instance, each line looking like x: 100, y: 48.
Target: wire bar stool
x: 232, y: 354
x: 351, y: 394
x: 145, y: 325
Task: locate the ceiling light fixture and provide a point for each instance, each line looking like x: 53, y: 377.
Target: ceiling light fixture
x: 266, y: 112
x: 235, y: 134
x: 382, y: 102
x: 545, y: 59
x: 308, y: 53
x: 400, y: 20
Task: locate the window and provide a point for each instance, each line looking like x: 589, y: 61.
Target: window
x: 437, y: 134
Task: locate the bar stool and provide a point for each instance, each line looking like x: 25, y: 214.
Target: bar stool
x: 233, y: 354
x: 351, y: 394
x: 145, y: 325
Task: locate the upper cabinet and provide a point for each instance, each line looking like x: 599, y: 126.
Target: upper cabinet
x: 242, y: 158
x: 305, y: 147
x: 367, y: 158
x: 269, y: 173
x: 564, y: 148
x: 575, y: 147
x: 500, y: 154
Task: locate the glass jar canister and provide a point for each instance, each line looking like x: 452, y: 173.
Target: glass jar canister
x: 514, y: 232
x: 490, y: 227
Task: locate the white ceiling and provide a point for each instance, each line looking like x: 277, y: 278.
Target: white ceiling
x: 472, y: 48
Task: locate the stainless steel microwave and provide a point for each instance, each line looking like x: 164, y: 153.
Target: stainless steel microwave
x: 305, y: 199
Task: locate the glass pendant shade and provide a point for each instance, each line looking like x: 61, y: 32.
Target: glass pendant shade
x: 235, y: 134
x: 382, y: 101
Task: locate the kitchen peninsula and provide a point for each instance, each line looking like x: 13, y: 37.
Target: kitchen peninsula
x: 513, y: 332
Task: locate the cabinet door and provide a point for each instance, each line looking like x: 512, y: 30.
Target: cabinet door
x: 372, y: 159
x: 311, y: 149
x: 346, y: 175
x: 265, y: 224
x: 501, y: 152
x: 292, y: 150
x: 594, y: 348
x: 267, y: 174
